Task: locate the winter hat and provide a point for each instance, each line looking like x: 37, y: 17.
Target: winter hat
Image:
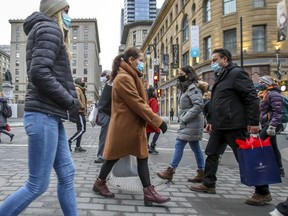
x: 267, y: 80
x: 50, y: 7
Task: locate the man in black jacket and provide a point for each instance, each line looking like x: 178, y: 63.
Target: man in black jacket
x: 234, y: 113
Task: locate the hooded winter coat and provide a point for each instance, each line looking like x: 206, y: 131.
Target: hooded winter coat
x: 191, y: 113
x: 80, y: 90
x: 126, y: 134
x: 51, y: 88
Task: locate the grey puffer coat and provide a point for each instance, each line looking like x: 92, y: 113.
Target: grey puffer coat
x: 190, y: 114
x: 51, y: 88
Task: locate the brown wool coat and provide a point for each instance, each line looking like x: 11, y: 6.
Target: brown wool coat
x: 130, y: 111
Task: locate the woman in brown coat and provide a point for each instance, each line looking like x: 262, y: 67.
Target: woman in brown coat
x: 127, y: 129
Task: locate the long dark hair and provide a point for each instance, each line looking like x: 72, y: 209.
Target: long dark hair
x: 130, y: 52
x: 192, y: 76
x: 150, y: 93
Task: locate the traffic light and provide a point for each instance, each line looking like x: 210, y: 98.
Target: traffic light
x: 156, y: 79
x: 284, y: 85
x: 159, y: 92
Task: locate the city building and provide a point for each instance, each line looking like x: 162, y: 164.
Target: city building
x: 85, y: 62
x: 248, y: 28
x: 5, y: 48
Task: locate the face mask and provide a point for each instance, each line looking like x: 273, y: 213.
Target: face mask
x: 140, y: 66
x: 103, y: 79
x: 216, y: 67
x: 182, y: 78
x: 66, y: 21
x: 82, y: 84
x: 262, y: 87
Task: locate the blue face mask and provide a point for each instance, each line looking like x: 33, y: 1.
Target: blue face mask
x: 140, y: 66
x: 216, y: 67
x: 262, y: 87
x: 66, y: 21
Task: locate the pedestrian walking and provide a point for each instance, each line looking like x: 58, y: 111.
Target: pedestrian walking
x: 104, y: 113
x: 171, y: 114
x: 4, y: 126
x: 50, y: 96
x: 191, y: 121
x: 271, y: 106
x: 153, y: 103
x: 81, y: 118
x: 234, y: 113
x: 127, y: 128
x: 281, y: 209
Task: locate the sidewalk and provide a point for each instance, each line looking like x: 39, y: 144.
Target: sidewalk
x: 128, y: 201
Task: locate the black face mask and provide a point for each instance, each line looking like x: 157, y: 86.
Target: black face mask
x: 182, y: 78
x: 82, y: 84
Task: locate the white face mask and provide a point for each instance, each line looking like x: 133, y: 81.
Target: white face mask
x: 103, y: 79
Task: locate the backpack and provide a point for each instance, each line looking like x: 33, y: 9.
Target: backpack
x: 285, y: 110
x: 7, y: 111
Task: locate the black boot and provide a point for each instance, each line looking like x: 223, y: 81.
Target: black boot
x: 153, y: 150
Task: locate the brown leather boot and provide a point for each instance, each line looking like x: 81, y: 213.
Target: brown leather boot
x: 198, y: 178
x: 101, y: 188
x: 150, y: 196
x: 167, y: 174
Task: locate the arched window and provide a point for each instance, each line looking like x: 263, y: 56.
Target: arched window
x: 185, y: 29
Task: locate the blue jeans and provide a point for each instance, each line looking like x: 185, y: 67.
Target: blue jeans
x: 179, y: 149
x: 47, y: 149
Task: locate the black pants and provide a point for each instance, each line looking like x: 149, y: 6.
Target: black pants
x: 215, y: 147
x: 142, y: 168
x: 283, y: 207
x: 273, y: 140
x: 81, y: 128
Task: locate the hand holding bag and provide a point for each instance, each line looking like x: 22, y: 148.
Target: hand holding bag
x: 257, y: 162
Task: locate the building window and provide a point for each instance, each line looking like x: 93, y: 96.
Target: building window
x: 258, y: 3
x: 17, y: 55
x: 75, y: 33
x: 86, y: 29
x: 17, y: 71
x: 85, y: 37
x: 171, y: 18
x: 74, y: 71
x: 229, y: 6
x: 185, y: 29
x: 207, y: 11
x: 134, y: 38
x: 74, y: 55
x: 85, y: 54
x: 16, y: 79
x: 16, y: 88
x: 185, y: 59
x: 85, y: 71
x: 17, y: 63
x: 74, y: 47
x: 259, y: 38
x: 17, y: 46
x: 86, y: 63
x: 207, y: 48
x: 85, y: 79
x: 74, y: 62
x: 230, y: 41
x: 85, y: 46
x: 176, y: 9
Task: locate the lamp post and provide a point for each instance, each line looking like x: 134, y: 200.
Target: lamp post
x: 148, y: 53
x: 155, y: 62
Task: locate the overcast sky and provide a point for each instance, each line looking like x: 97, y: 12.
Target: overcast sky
x: 107, y: 13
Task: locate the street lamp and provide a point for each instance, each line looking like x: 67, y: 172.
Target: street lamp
x: 154, y: 47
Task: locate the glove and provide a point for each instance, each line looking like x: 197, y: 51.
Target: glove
x: 163, y: 127
x: 271, y: 131
x: 74, y: 110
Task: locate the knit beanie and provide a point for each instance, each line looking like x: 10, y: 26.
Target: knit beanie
x: 267, y: 80
x: 51, y: 7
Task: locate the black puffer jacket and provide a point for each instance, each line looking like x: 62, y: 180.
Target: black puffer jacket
x: 50, y: 84
x: 234, y: 103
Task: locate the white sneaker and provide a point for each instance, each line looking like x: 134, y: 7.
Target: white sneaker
x: 275, y: 212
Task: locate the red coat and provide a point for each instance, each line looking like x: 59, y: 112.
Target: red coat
x: 153, y: 103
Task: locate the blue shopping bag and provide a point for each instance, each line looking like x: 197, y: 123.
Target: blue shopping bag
x: 258, y: 166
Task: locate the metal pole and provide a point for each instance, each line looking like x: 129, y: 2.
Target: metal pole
x: 241, y: 41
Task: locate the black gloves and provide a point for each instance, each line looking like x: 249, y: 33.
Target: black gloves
x: 73, y: 110
x: 163, y: 127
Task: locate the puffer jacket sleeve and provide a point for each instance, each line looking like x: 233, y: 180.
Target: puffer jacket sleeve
x: 47, y: 45
x: 276, y: 108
